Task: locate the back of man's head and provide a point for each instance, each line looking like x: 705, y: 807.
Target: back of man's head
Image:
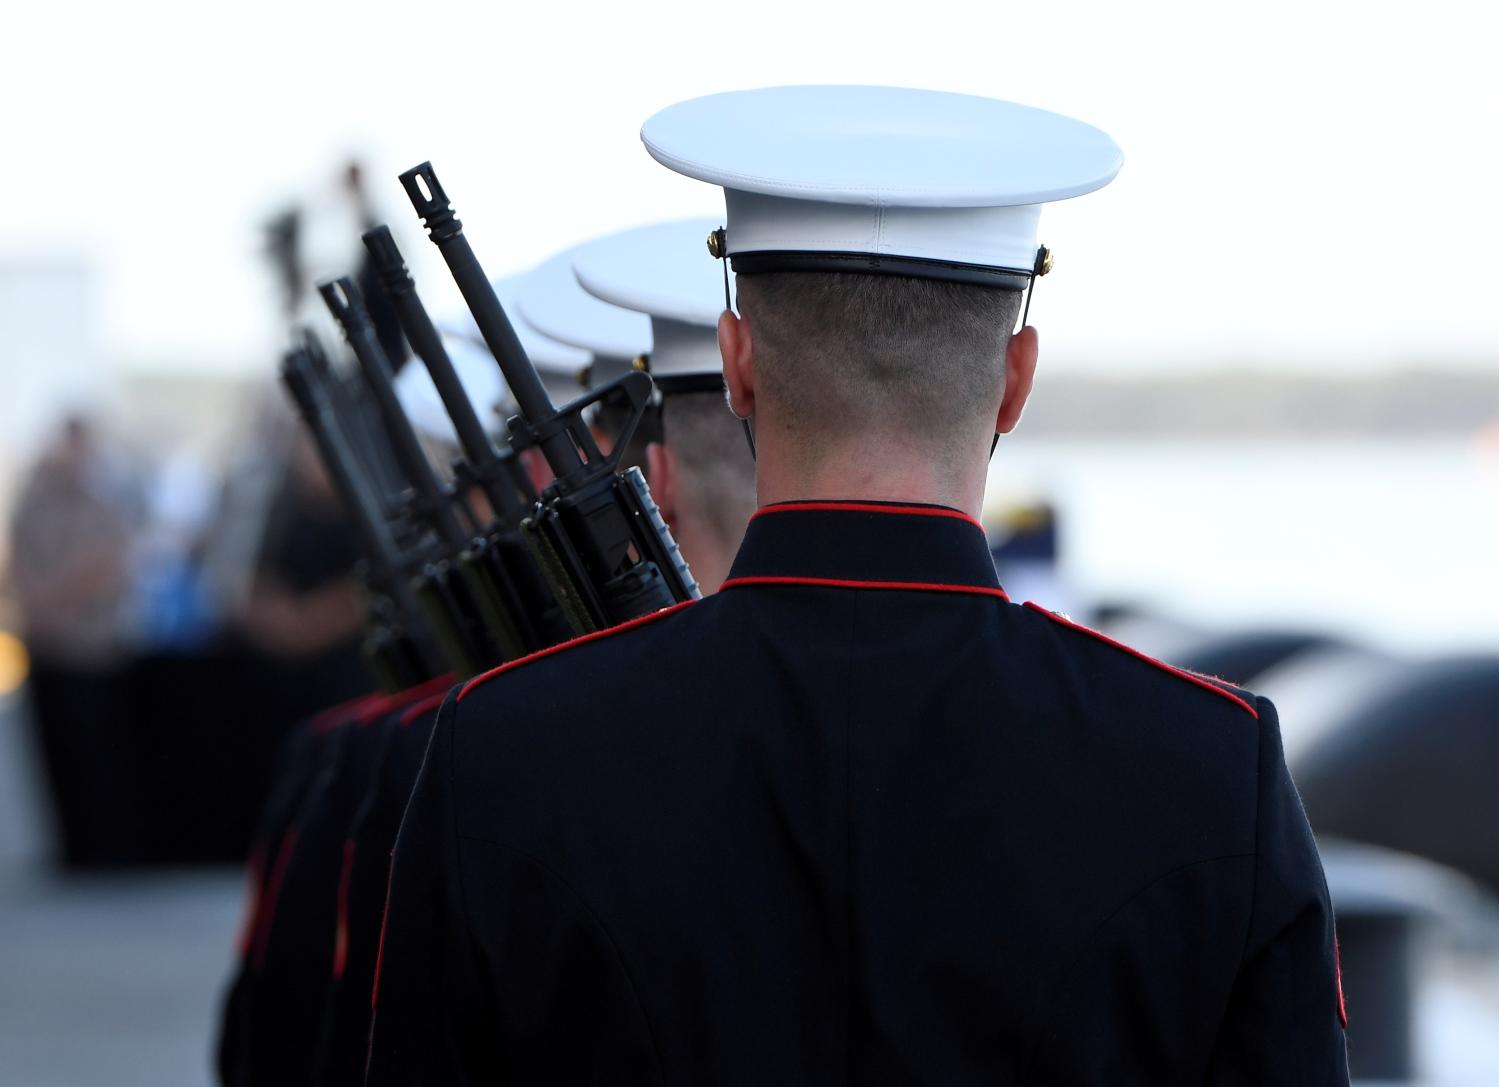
x: 844, y: 359
x: 716, y: 472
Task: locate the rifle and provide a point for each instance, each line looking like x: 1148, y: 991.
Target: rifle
x: 596, y: 531
x: 513, y: 593
x: 395, y: 649
x: 445, y: 597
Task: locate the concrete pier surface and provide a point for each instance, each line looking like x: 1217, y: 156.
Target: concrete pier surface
x: 113, y: 979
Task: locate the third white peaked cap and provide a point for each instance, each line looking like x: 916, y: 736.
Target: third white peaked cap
x: 552, y: 301
x: 951, y: 182
x: 660, y: 270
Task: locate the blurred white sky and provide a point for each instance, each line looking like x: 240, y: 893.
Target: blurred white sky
x: 1305, y: 184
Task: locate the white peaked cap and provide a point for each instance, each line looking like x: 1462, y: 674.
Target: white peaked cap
x: 481, y: 379
x: 552, y: 301
x: 560, y: 365
x: 882, y: 179
x: 659, y: 270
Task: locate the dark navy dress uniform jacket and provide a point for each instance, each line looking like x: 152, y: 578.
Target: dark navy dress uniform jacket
x: 855, y: 819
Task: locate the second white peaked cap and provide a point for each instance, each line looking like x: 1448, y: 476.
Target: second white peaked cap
x: 882, y: 179
x: 560, y: 365
x: 551, y: 300
x: 659, y: 270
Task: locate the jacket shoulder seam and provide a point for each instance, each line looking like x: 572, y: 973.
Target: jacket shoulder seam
x: 584, y: 639
x: 1206, y: 683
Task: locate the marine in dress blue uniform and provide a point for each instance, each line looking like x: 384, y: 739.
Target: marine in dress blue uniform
x: 294, y: 950
x: 691, y: 449
x: 349, y: 897
x: 859, y: 817
x: 593, y: 330
x: 274, y: 1006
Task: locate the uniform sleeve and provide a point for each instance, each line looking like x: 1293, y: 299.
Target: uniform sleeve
x: 1284, y: 1022
x: 425, y: 995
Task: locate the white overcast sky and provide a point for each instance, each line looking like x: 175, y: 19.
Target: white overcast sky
x: 1305, y: 184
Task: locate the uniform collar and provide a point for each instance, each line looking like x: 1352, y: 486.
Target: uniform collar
x: 865, y: 544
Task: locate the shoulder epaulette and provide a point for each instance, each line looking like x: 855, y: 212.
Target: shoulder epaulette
x: 583, y: 639
x: 1217, y: 686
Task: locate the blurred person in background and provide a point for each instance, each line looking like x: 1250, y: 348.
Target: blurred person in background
x: 305, y: 606
x: 70, y: 554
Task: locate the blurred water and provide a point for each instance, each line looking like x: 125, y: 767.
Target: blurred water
x: 1393, y: 543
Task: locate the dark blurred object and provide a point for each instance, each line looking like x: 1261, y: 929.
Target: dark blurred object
x: 207, y: 724
x: 1414, y: 769
x: 1240, y: 657
x: 381, y: 311
x: 70, y: 553
x: 1025, y: 539
x: 283, y: 245
x: 1390, y: 908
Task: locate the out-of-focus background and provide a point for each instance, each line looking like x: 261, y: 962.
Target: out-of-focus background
x: 1265, y: 441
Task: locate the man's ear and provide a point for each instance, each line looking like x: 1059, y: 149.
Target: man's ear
x: 1020, y: 374
x: 738, y: 363
x: 661, y: 474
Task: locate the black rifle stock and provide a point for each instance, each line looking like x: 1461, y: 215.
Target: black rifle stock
x: 519, y: 606
x: 597, y: 531
x: 392, y: 648
x: 447, y: 600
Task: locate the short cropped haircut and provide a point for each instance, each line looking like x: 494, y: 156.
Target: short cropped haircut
x: 715, y: 468
x: 844, y: 354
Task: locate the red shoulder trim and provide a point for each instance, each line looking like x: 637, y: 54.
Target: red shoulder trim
x: 866, y: 507
x: 569, y: 644
x: 414, y: 711
x: 1181, y: 673
x: 368, y: 708
x: 334, y: 716
x: 437, y: 686
x: 842, y: 583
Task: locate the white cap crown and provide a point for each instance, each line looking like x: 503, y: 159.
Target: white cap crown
x: 882, y: 179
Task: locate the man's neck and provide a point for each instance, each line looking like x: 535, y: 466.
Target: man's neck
x: 876, y: 475
x: 704, y: 551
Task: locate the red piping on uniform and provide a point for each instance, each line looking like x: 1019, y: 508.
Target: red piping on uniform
x: 1337, y: 965
x: 368, y: 708
x: 267, y: 917
x: 866, y: 507
x: 438, y: 686
x: 334, y: 716
x: 341, y: 931
x: 581, y: 640
x: 380, y: 952
x: 255, y: 870
x: 1181, y: 673
x: 848, y: 583
x: 413, y: 712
